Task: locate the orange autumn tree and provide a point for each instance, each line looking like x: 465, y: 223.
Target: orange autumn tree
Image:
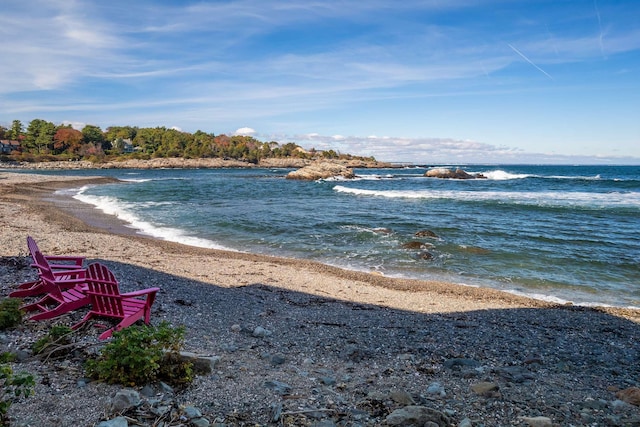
x: 67, y: 140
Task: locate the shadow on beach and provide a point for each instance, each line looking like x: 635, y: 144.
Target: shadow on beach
x: 565, y: 363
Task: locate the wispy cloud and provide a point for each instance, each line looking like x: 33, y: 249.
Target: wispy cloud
x: 220, y: 66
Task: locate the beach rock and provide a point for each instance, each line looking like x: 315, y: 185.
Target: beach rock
x: 402, y: 397
x: 116, y: 422
x: 436, y: 389
x: 192, y: 412
x: 451, y: 174
x: 279, y: 387
x: 630, y: 395
x: 459, y: 363
x: 260, y: 332
x: 202, y: 364
x: 417, y: 416
x: 537, y: 421
x: 486, y: 389
x: 124, y: 399
x: 321, y: 170
x: 200, y: 422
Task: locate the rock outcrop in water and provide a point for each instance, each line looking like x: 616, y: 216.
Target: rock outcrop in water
x: 451, y: 174
x: 321, y: 170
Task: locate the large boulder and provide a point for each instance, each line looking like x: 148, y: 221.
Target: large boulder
x: 321, y: 170
x: 451, y: 174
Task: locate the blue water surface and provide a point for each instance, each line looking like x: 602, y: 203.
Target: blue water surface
x: 569, y: 233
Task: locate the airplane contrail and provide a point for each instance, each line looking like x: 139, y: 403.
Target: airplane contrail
x: 595, y: 5
x: 529, y: 61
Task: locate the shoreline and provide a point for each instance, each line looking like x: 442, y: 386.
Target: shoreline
x: 72, y: 215
x: 349, y: 348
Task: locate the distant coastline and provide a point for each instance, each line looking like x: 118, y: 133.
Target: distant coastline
x: 184, y: 163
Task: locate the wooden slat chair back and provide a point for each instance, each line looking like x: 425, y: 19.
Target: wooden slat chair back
x: 56, y: 261
x: 56, y: 301
x: 107, y: 301
x: 64, y: 269
x: 105, y: 292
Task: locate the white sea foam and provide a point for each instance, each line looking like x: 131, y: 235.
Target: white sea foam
x: 136, y: 179
x: 541, y: 198
x: 500, y: 175
x: 126, y: 212
x: 557, y: 300
x: 374, y: 177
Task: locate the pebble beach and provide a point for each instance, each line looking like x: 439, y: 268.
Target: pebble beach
x: 334, y: 348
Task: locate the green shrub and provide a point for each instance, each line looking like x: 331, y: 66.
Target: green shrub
x: 10, y: 313
x: 7, y: 357
x: 12, y: 386
x: 58, y: 335
x: 138, y: 355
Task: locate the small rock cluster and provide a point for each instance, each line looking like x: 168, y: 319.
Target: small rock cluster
x: 451, y: 174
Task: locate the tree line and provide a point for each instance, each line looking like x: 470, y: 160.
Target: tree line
x: 43, y: 140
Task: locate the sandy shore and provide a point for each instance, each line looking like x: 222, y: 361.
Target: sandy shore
x: 372, y: 336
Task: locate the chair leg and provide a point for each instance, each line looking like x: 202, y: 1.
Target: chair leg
x: 39, y: 305
x: 87, y: 316
x: 28, y: 289
x: 107, y: 334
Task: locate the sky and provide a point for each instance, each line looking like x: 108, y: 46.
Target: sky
x: 416, y: 81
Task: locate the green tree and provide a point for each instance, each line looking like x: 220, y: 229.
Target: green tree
x: 201, y: 145
x: 39, y: 137
x: 173, y: 143
x: 92, y: 134
x: 16, y: 130
x: 125, y: 132
x: 117, y: 145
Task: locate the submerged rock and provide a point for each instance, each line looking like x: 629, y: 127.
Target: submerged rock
x: 426, y: 233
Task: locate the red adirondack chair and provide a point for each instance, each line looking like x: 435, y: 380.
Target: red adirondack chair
x: 56, y: 261
x: 107, y: 301
x: 64, y: 269
x: 56, y: 301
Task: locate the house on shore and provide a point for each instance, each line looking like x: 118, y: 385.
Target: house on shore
x: 7, y: 146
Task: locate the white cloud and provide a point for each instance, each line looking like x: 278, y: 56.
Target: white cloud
x: 440, y: 151
x: 245, y: 131
x: 75, y: 125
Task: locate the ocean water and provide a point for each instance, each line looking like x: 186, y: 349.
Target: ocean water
x: 560, y: 233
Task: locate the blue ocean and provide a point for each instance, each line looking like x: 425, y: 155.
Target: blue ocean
x: 559, y: 233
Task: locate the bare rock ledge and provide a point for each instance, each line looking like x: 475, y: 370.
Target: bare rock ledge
x: 321, y: 170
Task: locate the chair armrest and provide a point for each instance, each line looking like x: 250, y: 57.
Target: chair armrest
x: 89, y: 279
x: 76, y: 259
x: 141, y: 292
x: 67, y: 266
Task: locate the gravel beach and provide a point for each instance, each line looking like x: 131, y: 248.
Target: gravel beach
x: 304, y: 344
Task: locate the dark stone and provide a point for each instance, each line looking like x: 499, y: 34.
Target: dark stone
x: 426, y: 233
